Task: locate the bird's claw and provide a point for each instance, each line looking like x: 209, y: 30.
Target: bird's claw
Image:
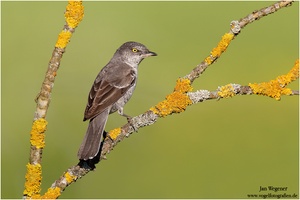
x: 130, y: 121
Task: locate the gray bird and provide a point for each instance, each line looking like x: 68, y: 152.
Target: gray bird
x: 111, y: 90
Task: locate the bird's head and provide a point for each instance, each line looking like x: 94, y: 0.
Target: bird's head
x: 133, y: 53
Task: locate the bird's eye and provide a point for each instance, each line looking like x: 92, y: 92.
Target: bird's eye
x: 134, y: 50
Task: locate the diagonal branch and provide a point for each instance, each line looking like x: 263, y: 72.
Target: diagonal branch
x: 234, y: 31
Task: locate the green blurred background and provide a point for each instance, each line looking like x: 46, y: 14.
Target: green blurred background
x: 216, y: 149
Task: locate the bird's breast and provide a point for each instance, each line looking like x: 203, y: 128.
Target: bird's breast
x: 124, y: 99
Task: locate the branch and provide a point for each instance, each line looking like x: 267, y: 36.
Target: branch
x: 73, y: 16
x: 234, y: 31
x: 295, y: 92
x: 181, y: 97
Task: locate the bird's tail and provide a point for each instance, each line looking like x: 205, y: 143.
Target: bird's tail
x: 90, y: 145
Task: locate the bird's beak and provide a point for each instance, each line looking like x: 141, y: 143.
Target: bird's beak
x: 150, y: 53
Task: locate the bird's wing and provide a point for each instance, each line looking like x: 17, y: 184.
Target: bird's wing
x: 108, y: 88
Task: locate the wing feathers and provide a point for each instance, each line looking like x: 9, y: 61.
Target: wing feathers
x: 110, y: 85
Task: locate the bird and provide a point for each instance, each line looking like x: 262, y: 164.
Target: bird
x: 111, y: 90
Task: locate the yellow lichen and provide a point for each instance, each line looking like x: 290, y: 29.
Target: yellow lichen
x: 37, y: 138
x: 175, y: 102
x: 74, y: 13
x: 208, y: 60
x: 113, y: 134
x: 223, y: 44
x: 52, y: 193
x: 292, y: 75
x: 270, y: 89
x: 33, y: 180
x: 69, y: 177
x: 183, y: 86
x: 36, y: 196
x: 221, y: 47
x: 63, y: 39
x: 226, y: 91
x: 276, y: 88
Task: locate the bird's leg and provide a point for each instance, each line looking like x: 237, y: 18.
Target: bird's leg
x: 120, y: 111
x: 129, y: 118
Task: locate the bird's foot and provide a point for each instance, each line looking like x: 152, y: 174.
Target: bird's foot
x: 130, y: 121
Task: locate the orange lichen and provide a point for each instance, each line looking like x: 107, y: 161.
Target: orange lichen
x: 208, y: 60
x: 226, y: 91
x: 223, y: 44
x: 276, y: 88
x: 74, y: 13
x: 175, y: 102
x: 63, y: 39
x: 33, y: 180
x: 183, y: 86
x: 113, y: 134
x: 37, y: 138
x: 69, y: 177
x: 52, y: 193
x: 221, y: 47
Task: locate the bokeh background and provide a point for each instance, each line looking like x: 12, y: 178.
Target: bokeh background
x: 216, y: 149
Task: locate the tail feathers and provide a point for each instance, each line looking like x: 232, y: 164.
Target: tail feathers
x: 90, y: 145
